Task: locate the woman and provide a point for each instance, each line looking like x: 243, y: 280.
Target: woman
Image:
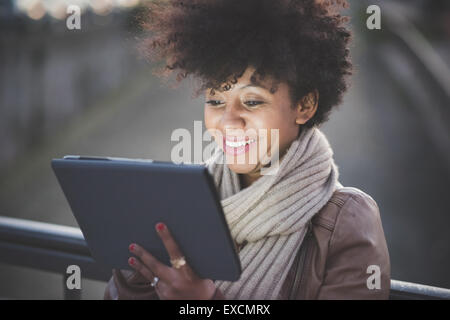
x: 267, y: 66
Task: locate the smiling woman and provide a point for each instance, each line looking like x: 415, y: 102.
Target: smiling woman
x: 240, y: 114
x: 266, y: 66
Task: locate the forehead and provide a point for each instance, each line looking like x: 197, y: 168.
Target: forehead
x: 249, y: 79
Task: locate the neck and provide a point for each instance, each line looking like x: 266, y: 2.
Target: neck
x: 248, y: 178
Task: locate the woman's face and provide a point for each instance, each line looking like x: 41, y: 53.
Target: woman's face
x: 237, y: 119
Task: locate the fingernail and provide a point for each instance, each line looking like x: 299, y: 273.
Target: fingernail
x: 132, y: 246
x: 160, y: 226
x: 131, y: 261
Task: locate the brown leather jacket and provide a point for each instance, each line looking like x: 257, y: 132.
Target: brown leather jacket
x: 345, y: 237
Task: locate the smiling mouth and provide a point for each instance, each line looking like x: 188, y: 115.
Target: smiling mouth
x: 235, y: 146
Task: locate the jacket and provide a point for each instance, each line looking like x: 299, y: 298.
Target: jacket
x: 343, y: 256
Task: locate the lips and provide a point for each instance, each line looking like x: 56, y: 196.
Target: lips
x: 237, y: 145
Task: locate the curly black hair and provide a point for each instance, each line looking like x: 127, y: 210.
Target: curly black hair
x: 303, y: 43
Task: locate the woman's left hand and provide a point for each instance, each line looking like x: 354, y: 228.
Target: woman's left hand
x: 178, y: 284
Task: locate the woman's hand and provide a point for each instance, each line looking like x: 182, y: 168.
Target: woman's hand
x: 179, y: 284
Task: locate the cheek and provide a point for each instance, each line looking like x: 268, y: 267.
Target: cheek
x: 270, y: 121
x: 288, y: 133
x: 287, y: 128
x: 209, y: 116
x: 212, y: 121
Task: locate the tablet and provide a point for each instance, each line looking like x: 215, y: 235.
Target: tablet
x: 118, y: 201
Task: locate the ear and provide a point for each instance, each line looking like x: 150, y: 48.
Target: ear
x: 307, y: 107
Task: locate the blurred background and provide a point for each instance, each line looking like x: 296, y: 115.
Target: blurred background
x: 89, y: 92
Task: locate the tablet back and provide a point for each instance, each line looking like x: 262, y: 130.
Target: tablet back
x: 118, y: 202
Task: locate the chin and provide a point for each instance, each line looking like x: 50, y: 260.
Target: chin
x: 242, y: 168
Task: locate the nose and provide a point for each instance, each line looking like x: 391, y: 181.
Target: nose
x: 232, y: 118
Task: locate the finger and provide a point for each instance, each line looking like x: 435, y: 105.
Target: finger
x: 141, y: 269
x: 159, y: 269
x: 162, y: 289
x: 137, y: 277
x: 169, y: 242
x: 172, y: 247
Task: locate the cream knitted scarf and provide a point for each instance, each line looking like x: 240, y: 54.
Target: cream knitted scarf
x: 271, y: 215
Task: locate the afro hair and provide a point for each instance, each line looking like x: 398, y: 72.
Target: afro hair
x: 303, y: 43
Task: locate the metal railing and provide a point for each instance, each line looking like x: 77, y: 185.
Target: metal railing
x: 51, y: 247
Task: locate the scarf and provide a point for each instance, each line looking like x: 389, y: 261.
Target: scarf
x: 270, y: 216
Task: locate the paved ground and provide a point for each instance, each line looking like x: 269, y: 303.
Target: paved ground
x: 379, y: 146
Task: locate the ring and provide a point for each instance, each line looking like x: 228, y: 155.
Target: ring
x: 154, y: 282
x: 178, y: 262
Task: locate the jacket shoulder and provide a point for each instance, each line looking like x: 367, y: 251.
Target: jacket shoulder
x: 356, y: 243
x: 347, y: 201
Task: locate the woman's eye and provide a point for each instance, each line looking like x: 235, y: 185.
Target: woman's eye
x: 253, y: 103
x: 214, y: 102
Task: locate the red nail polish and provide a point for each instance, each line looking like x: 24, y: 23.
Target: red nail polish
x: 132, y: 246
x: 160, y: 226
x: 131, y: 261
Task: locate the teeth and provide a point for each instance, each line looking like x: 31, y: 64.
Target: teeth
x: 236, y: 144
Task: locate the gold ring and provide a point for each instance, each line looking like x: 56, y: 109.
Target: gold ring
x: 178, y: 262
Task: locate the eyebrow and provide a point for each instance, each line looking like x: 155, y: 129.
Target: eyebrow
x: 253, y: 85
x: 247, y: 86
